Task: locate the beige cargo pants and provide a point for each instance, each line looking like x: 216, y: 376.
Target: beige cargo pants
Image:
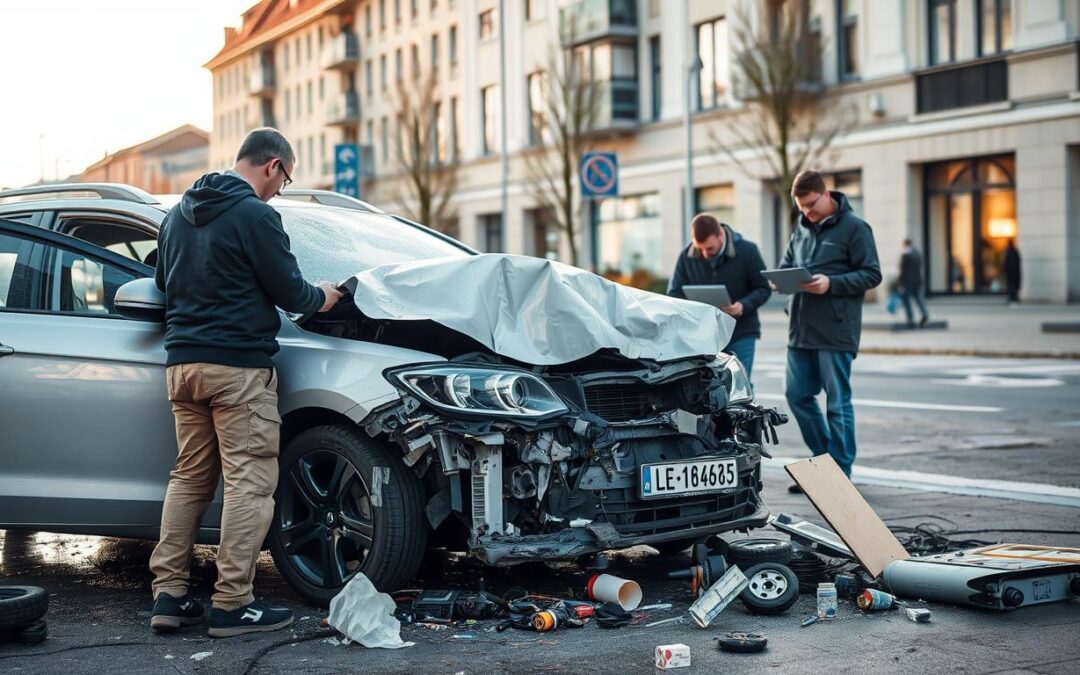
x: 226, y: 423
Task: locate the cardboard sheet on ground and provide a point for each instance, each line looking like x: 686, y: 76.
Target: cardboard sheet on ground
x: 847, y: 513
x: 363, y: 614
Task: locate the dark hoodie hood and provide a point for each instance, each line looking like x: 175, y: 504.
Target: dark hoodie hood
x: 842, y: 207
x: 213, y: 195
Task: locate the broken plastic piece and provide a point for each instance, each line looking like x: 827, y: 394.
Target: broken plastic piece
x: 365, y: 615
x: 608, y: 588
x: 743, y: 643
x: 713, y: 601
x: 917, y: 614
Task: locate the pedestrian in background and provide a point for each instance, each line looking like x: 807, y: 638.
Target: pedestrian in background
x: 225, y: 266
x: 719, y: 255
x: 837, y: 248
x: 911, y: 284
x: 1012, y: 272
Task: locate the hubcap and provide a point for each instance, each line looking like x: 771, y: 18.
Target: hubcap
x: 325, y: 518
x: 768, y: 584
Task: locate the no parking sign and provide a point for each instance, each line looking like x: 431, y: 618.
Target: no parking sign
x: 599, y: 173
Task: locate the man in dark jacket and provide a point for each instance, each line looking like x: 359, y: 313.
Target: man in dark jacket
x: 1012, y: 271
x: 838, y: 249
x: 718, y: 255
x: 911, y: 281
x: 225, y: 267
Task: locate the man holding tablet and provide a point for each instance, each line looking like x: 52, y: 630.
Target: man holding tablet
x: 720, y: 263
x: 837, y: 249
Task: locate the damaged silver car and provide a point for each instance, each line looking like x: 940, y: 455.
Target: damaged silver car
x: 513, y: 407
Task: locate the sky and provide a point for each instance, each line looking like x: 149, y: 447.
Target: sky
x: 82, y: 77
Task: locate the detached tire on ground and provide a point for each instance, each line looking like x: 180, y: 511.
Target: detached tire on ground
x: 748, y: 552
x: 345, y: 504
x: 22, y: 605
x: 773, y: 588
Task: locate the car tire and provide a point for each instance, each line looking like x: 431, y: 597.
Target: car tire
x: 745, y: 553
x: 773, y: 588
x: 33, y: 634
x: 322, y: 514
x: 22, y: 605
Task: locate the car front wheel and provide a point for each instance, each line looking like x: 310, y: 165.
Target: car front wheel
x: 345, y: 504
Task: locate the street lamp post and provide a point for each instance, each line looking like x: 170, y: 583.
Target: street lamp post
x: 693, y: 67
x: 503, y: 187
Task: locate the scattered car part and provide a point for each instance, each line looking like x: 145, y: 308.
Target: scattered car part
x: 22, y: 605
x: 999, y: 577
x: 810, y: 569
x: 810, y: 620
x: 873, y: 600
x: 31, y: 634
x: 805, y: 532
x: 917, y: 614
x: 749, y: 552
x: 608, y: 588
x: 674, y: 619
x: 743, y: 643
x: 771, y: 588
x: 705, y: 570
x: 720, y: 594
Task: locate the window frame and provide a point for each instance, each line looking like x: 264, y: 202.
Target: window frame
x: 843, y: 48
x: 980, y: 27
x: 721, y: 99
x: 932, y: 58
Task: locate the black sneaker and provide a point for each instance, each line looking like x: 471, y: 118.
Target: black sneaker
x: 795, y: 489
x: 171, y: 613
x: 251, y: 618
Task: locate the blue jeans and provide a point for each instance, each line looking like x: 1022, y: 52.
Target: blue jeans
x: 907, y: 296
x: 743, y: 349
x: 808, y: 372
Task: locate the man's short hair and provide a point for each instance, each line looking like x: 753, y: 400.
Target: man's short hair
x: 808, y: 182
x: 703, y: 226
x: 907, y: 242
x: 264, y: 144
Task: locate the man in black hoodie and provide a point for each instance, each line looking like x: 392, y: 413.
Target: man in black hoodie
x: 225, y: 266
x: 719, y: 255
x: 825, y: 325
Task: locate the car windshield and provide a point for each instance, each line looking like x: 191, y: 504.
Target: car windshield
x: 333, y: 244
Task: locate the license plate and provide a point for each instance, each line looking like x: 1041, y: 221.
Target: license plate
x: 678, y: 478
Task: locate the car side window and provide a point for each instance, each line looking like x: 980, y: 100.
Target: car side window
x: 81, y: 285
x: 126, y: 240
x: 14, y: 273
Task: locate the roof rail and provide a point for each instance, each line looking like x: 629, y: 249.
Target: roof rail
x: 118, y: 191
x: 329, y: 198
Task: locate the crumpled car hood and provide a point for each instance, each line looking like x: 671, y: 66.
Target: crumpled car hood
x: 538, y: 311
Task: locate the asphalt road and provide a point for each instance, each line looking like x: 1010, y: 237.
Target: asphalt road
x: 916, y: 414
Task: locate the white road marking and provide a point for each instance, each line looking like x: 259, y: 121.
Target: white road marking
x: 904, y: 405
x: 931, y: 482
x: 1002, y: 382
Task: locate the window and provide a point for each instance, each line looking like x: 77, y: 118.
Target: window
x: 367, y: 21
x: 288, y: 105
x: 847, y: 30
x: 435, y: 53
x: 489, y: 118
x: 629, y: 235
x: 398, y: 65
x: 285, y: 56
x: 130, y: 242
x: 397, y: 12
x: 83, y: 285
x: 310, y: 99
x: 718, y: 200
x: 534, y: 10
x: 438, y: 130
x: 487, y: 24
x: 536, y: 91
x: 455, y: 148
x: 308, y: 40
x: 942, y: 31
x: 382, y: 14
x: 384, y: 128
x: 320, y: 37
x: 311, y: 153
x: 712, y: 50
x: 415, y: 60
x: 371, y: 133
x: 14, y: 274
x: 654, y: 64
x: 453, y: 46
x: 369, y: 78
x: 382, y: 72
x: 492, y: 231
x: 415, y: 8
x: 995, y: 26
x: 322, y: 151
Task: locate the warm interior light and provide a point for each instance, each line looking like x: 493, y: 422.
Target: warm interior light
x: 1004, y: 228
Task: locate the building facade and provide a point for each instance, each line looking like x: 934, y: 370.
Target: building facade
x: 966, y: 131
x: 166, y: 164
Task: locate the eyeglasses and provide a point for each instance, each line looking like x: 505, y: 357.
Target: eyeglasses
x: 810, y: 206
x: 288, y: 178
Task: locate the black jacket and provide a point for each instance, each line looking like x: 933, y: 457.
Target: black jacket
x: 911, y: 276
x: 224, y: 265
x: 842, y: 248
x: 738, y: 267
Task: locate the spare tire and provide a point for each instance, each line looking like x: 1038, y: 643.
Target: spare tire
x: 22, y: 605
x: 745, y: 553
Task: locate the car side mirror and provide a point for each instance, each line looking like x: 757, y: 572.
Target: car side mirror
x: 141, y: 300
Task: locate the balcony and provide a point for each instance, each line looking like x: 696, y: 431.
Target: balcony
x: 261, y: 81
x: 617, y: 106
x: 590, y: 20
x: 962, y: 86
x: 343, y: 109
x: 342, y: 52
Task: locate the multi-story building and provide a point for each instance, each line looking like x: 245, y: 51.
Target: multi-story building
x: 168, y: 163
x: 967, y: 131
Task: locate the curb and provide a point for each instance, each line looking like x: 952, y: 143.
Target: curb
x: 983, y: 353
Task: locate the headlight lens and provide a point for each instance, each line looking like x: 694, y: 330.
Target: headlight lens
x: 739, y: 391
x: 477, y: 389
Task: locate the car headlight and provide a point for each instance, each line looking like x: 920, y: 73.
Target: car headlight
x: 476, y: 389
x: 739, y: 390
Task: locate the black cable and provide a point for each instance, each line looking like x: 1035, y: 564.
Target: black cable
x: 258, y: 656
x: 1020, y: 530
x: 810, y: 569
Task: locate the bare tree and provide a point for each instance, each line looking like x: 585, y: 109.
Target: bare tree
x: 427, y: 164
x: 562, y: 132
x: 776, y: 70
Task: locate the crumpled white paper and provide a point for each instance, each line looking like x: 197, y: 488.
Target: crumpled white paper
x: 365, y: 615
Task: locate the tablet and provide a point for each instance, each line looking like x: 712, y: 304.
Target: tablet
x: 789, y: 279
x: 711, y: 294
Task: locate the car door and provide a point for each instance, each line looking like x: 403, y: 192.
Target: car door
x: 87, y: 433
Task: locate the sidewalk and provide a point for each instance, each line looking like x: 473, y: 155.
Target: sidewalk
x: 976, y: 328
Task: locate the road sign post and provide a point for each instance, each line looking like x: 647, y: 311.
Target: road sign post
x: 347, y: 169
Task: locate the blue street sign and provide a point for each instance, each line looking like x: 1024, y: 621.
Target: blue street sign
x: 347, y: 169
x: 599, y: 173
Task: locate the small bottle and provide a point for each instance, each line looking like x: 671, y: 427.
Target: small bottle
x: 826, y: 601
